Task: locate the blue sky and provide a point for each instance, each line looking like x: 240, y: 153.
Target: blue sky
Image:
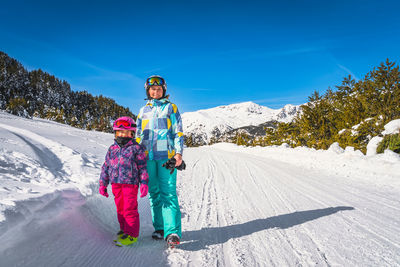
x: 210, y: 52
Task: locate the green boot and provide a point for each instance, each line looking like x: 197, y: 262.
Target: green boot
x: 125, y: 240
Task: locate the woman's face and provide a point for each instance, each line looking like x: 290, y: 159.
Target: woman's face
x: 156, y: 91
x: 123, y: 133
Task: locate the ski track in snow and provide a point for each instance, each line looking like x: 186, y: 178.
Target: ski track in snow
x: 237, y: 210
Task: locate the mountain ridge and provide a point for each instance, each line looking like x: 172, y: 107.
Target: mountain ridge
x: 205, y: 126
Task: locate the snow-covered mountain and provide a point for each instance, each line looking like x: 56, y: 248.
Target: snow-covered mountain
x: 202, y: 125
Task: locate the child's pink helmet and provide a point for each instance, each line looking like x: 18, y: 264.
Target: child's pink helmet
x: 124, y: 123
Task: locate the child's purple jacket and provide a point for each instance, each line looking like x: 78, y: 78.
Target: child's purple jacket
x: 124, y: 165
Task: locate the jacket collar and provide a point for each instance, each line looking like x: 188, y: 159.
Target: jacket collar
x: 157, y: 102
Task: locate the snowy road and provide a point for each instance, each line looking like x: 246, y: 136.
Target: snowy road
x: 244, y: 210
x: 239, y: 209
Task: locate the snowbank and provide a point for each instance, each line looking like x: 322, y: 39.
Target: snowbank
x: 392, y: 127
x: 373, y: 145
x: 40, y: 157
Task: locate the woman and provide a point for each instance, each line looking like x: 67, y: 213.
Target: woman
x: 159, y: 130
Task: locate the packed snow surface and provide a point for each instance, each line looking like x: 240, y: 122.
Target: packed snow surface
x: 240, y: 206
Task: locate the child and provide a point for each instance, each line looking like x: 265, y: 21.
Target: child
x: 125, y: 168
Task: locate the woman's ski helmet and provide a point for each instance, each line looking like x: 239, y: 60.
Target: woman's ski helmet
x: 124, y: 123
x: 155, y: 80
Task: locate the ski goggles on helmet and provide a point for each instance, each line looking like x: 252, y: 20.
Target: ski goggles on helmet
x: 124, y: 124
x: 155, y: 81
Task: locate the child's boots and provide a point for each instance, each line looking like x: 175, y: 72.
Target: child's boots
x: 125, y: 240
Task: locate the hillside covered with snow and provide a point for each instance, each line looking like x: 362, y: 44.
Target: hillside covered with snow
x: 241, y: 206
x: 204, y: 124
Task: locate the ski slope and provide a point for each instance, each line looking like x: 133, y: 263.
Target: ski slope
x: 240, y: 206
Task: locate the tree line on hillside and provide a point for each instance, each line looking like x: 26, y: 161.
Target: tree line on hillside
x: 350, y: 115
x: 39, y: 94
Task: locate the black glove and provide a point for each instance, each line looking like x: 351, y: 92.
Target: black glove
x: 170, y: 165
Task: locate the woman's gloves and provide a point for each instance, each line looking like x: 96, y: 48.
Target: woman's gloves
x: 170, y: 165
x: 103, y: 190
x: 144, y: 189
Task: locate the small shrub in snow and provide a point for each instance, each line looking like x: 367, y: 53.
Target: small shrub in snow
x: 391, y: 141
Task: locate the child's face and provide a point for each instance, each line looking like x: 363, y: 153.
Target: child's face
x: 123, y: 133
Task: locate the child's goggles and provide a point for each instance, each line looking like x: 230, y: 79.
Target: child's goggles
x: 155, y: 81
x: 124, y: 124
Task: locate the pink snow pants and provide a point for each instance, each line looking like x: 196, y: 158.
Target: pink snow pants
x: 125, y: 197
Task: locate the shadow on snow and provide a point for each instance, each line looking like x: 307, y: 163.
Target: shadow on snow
x: 201, y: 239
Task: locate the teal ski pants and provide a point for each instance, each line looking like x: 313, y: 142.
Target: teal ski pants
x: 164, y: 204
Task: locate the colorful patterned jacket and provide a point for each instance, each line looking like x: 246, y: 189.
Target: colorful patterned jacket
x: 159, y: 129
x: 125, y: 165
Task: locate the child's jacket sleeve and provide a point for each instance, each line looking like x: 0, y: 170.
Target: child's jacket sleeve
x: 104, y: 175
x: 142, y: 166
x: 177, y: 129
